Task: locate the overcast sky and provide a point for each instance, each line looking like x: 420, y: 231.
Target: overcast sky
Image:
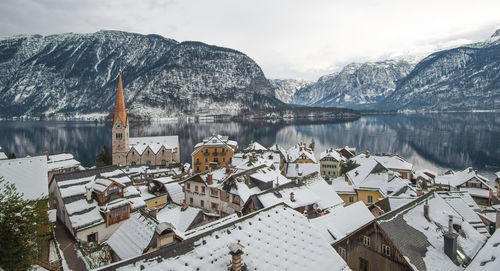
x: 288, y: 39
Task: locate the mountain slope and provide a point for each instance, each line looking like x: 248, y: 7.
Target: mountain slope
x: 356, y: 85
x: 76, y: 74
x: 463, y: 78
x: 284, y: 89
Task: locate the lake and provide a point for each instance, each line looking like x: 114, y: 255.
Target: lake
x: 436, y: 141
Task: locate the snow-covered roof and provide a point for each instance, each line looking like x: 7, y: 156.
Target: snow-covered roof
x: 133, y: 236
x: 301, y: 151
x: 247, y: 160
x: 61, y: 161
x: 300, y: 247
x: 467, y: 212
x: 488, y: 258
x: 174, y: 190
x: 154, y: 143
x: 29, y: 176
x: 342, y: 187
x: 72, y: 187
x: 341, y: 221
x: 216, y: 140
x: 457, y: 178
x: 255, y: 146
x: 331, y: 153
x: 295, y: 170
x: 421, y: 241
x: 393, y: 162
x: 180, y: 219
x: 314, y: 191
x: 2, y: 154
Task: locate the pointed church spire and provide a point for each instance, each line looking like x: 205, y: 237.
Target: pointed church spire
x: 120, y: 103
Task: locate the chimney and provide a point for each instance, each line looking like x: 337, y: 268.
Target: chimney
x: 46, y: 153
x: 153, y: 212
x: 209, y: 179
x: 292, y: 197
x: 426, y: 211
x: 235, y: 249
x: 367, y: 154
x: 470, y: 170
x: 419, y: 192
x: 88, y: 193
x: 450, y: 241
x: 184, y: 205
x: 228, y: 170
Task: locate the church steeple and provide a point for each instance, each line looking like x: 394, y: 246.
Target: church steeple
x: 120, y: 103
x: 120, y: 131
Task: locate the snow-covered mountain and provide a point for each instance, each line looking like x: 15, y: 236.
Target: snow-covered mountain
x: 70, y: 75
x: 284, y: 89
x: 463, y: 78
x: 356, y: 85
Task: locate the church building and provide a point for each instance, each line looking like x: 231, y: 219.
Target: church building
x: 153, y: 150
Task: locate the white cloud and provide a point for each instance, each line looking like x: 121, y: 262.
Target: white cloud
x: 289, y: 38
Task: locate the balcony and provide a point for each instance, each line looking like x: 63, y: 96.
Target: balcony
x: 215, y: 153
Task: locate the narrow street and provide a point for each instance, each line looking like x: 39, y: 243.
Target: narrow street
x: 68, y: 246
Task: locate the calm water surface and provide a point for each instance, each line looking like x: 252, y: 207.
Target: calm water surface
x: 434, y: 141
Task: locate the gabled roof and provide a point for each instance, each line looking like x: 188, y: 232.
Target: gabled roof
x: 133, y: 236
x: 61, y: 160
x: 457, y: 178
x: 255, y: 146
x: 140, y: 144
x: 2, y: 154
x: 331, y: 153
x: 421, y: 241
x: 295, y: 170
x: 300, y: 247
x: 301, y: 151
x: 342, y: 221
x: 488, y: 258
x: 180, y: 219
x: 216, y: 140
x: 29, y: 176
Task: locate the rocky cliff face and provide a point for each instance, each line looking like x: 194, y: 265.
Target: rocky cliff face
x: 357, y: 85
x: 284, y: 89
x: 463, y: 78
x: 70, y: 75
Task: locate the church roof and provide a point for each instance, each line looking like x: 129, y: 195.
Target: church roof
x: 120, y: 103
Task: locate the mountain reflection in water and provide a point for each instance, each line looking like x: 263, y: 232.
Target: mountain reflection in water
x: 436, y: 141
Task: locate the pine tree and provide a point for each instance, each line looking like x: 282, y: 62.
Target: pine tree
x: 23, y: 224
x: 347, y: 166
x: 104, y: 158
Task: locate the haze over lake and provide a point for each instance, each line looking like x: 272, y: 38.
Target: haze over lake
x: 435, y: 141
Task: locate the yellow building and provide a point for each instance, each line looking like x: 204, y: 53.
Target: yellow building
x: 215, y: 151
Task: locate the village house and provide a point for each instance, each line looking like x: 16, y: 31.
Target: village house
x: 256, y: 154
x: 467, y: 180
x: 61, y: 163
x: 330, y: 161
x: 424, y: 179
x: 28, y: 175
x: 300, y: 153
x: 213, y: 152
x: 424, y: 234
x: 345, y: 190
x: 309, y: 195
x: 126, y: 150
x: 246, y: 243
x: 342, y: 221
x: 373, y: 182
x: 141, y: 234
x: 93, y: 203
